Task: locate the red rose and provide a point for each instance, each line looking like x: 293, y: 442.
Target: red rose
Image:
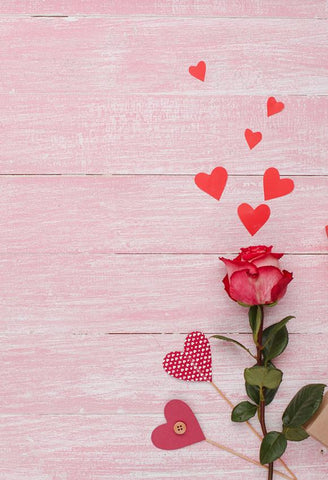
x: 255, y: 277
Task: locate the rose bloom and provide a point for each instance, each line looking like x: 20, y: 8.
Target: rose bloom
x: 255, y: 277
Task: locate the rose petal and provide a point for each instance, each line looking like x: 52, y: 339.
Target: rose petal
x: 254, y: 289
x: 236, y: 266
x: 249, y: 253
x: 227, y: 285
x: 267, y: 260
x: 252, y: 253
x: 279, y: 290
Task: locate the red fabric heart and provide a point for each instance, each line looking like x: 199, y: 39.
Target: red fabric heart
x: 166, y: 438
x: 214, y: 183
x: 194, y: 364
x: 274, y: 107
x: 252, y: 138
x: 274, y: 186
x: 253, y: 219
x: 198, y: 71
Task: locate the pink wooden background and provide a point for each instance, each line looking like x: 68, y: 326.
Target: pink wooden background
x: 108, y: 252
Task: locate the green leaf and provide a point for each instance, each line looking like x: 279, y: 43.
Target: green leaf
x: 273, y: 329
x: 295, y: 434
x: 263, y: 376
x: 275, y: 344
x: 272, y: 447
x: 255, y: 318
x: 254, y: 393
x: 243, y: 412
x: 227, y: 339
x: 303, y: 405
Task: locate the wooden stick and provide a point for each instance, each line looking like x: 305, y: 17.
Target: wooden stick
x: 250, y: 426
x: 244, y: 457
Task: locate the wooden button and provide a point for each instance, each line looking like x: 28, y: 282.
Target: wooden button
x: 180, y: 428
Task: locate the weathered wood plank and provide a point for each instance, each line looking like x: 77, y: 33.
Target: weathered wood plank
x: 244, y: 8
x: 123, y: 374
x: 153, y: 214
x: 152, y: 55
x: 83, y: 293
x: 116, y: 447
x: 160, y: 134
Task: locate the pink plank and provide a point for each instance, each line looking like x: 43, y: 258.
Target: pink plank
x: 160, y: 134
x: 82, y: 294
x: 123, y: 374
x: 153, y: 214
x: 118, y: 447
x: 47, y: 55
x: 256, y: 8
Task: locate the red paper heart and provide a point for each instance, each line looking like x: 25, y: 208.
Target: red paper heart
x: 253, y: 219
x: 274, y: 186
x: 198, y: 71
x: 252, y: 138
x: 166, y: 438
x: 274, y: 107
x: 194, y: 363
x: 327, y: 230
x: 214, y: 183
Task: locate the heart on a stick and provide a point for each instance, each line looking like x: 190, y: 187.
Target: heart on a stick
x: 274, y: 107
x: 274, y: 186
x: 214, y: 183
x: 194, y: 364
x: 253, y: 218
x: 180, y: 430
x: 198, y: 71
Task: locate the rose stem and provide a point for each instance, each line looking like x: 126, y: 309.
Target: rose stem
x: 229, y: 402
x: 262, y: 400
x: 244, y: 457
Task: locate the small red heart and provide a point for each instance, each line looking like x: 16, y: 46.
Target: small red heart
x: 194, y: 363
x: 253, y: 219
x: 214, y: 183
x: 198, y: 71
x: 327, y: 230
x: 274, y: 107
x: 252, y: 138
x: 274, y: 186
x: 170, y: 435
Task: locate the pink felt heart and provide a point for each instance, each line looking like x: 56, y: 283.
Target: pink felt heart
x: 180, y: 430
x: 194, y: 363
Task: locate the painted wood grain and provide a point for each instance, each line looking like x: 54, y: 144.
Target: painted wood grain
x: 123, y: 374
x: 153, y: 214
x: 310, y: 9
x: 166, y: 134
x: 94, y: 447
x: 254, y: 8
x: 152, y: 55
x: 91, y: 294
x: 90, y: 264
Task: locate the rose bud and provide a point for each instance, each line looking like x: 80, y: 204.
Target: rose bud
x: 255, y: 276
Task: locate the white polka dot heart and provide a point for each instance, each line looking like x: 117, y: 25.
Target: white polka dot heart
x: 194, y: 364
